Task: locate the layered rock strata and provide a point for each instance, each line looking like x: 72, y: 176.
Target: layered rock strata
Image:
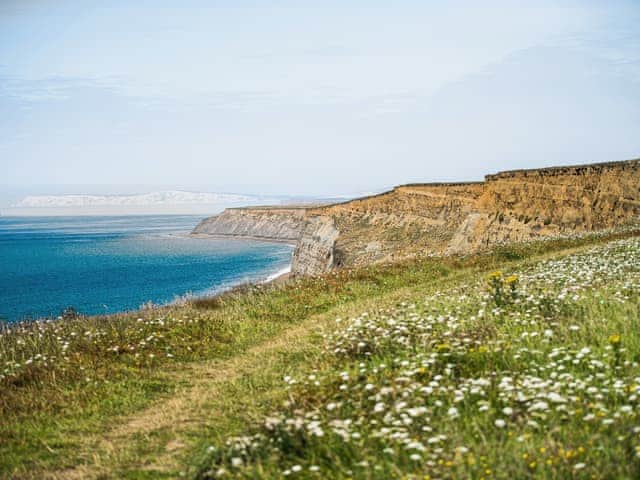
x: 282, y: 224
x: 448, y: 218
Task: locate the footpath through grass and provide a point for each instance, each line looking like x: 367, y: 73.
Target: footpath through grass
x: 530, y: 374
x: 145, y: 395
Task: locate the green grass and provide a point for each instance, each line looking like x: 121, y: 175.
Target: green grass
x: 537, y: 426
x: 56, y: 400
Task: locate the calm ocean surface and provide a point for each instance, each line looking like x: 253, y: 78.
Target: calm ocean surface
x: 112, y: 264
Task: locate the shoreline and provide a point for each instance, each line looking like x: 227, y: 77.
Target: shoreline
x: 277, y: 278
x: 210, y: 273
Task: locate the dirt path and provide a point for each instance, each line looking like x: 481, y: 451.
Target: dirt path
x: 177, y: 415
x: 156, y: 439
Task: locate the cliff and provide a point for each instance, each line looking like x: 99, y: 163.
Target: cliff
x: 447, y: 218
x: 282, y: 224
x: 315, y: 250
x: 404, y: 222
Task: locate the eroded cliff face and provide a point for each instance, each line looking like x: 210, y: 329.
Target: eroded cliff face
x: 425, y: 219
x: 313, y: 236
x: 419, y: 220
x: 405, y: 222
x: 584, y: 197
x: 315, y: 251
x: 267, y: 223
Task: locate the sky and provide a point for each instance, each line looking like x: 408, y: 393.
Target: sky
x: 310, y: 98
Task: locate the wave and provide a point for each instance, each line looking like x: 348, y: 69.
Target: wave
x: 277, y: 274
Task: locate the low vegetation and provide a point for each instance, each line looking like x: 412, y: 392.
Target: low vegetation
x: 438, y: 368
x: 534, y: 374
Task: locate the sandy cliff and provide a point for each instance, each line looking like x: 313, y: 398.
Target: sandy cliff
x: 452, y: 218
x: 400, y: 223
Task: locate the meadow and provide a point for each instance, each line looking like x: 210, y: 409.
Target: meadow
x: 521, y: 362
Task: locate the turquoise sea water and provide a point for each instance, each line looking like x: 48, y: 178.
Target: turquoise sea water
x: 112, y: 264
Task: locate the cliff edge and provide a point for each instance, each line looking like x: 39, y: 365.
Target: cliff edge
x: 446, y: 218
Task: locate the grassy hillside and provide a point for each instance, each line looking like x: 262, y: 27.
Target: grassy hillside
x: 436, y: 370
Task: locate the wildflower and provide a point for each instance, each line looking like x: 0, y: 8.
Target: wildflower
x: 539, y: 406
x: 556, y: 398
x: 500, y: 423
x: 495, y: 275
x: 416, y: 412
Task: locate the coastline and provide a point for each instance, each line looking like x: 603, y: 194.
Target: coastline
x: 276, y: 279
x: 279, y: 277
x: 161, y: 240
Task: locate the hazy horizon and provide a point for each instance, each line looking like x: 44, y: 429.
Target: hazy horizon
x: 96, y: 200
x: 294, y: 99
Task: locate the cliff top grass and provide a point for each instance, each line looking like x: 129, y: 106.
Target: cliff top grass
x: 160, y: 393
x: 562, y: 169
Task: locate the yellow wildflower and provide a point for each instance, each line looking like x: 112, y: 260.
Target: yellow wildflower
x: 511, y: 279
x: 495, y: 275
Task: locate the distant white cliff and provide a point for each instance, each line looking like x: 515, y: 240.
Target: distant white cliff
x: 171, y: 197
x: 155, y: 202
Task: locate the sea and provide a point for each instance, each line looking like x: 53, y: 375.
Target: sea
x: 103, y: 265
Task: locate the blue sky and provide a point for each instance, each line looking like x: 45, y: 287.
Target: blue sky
x: 311, y: 98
